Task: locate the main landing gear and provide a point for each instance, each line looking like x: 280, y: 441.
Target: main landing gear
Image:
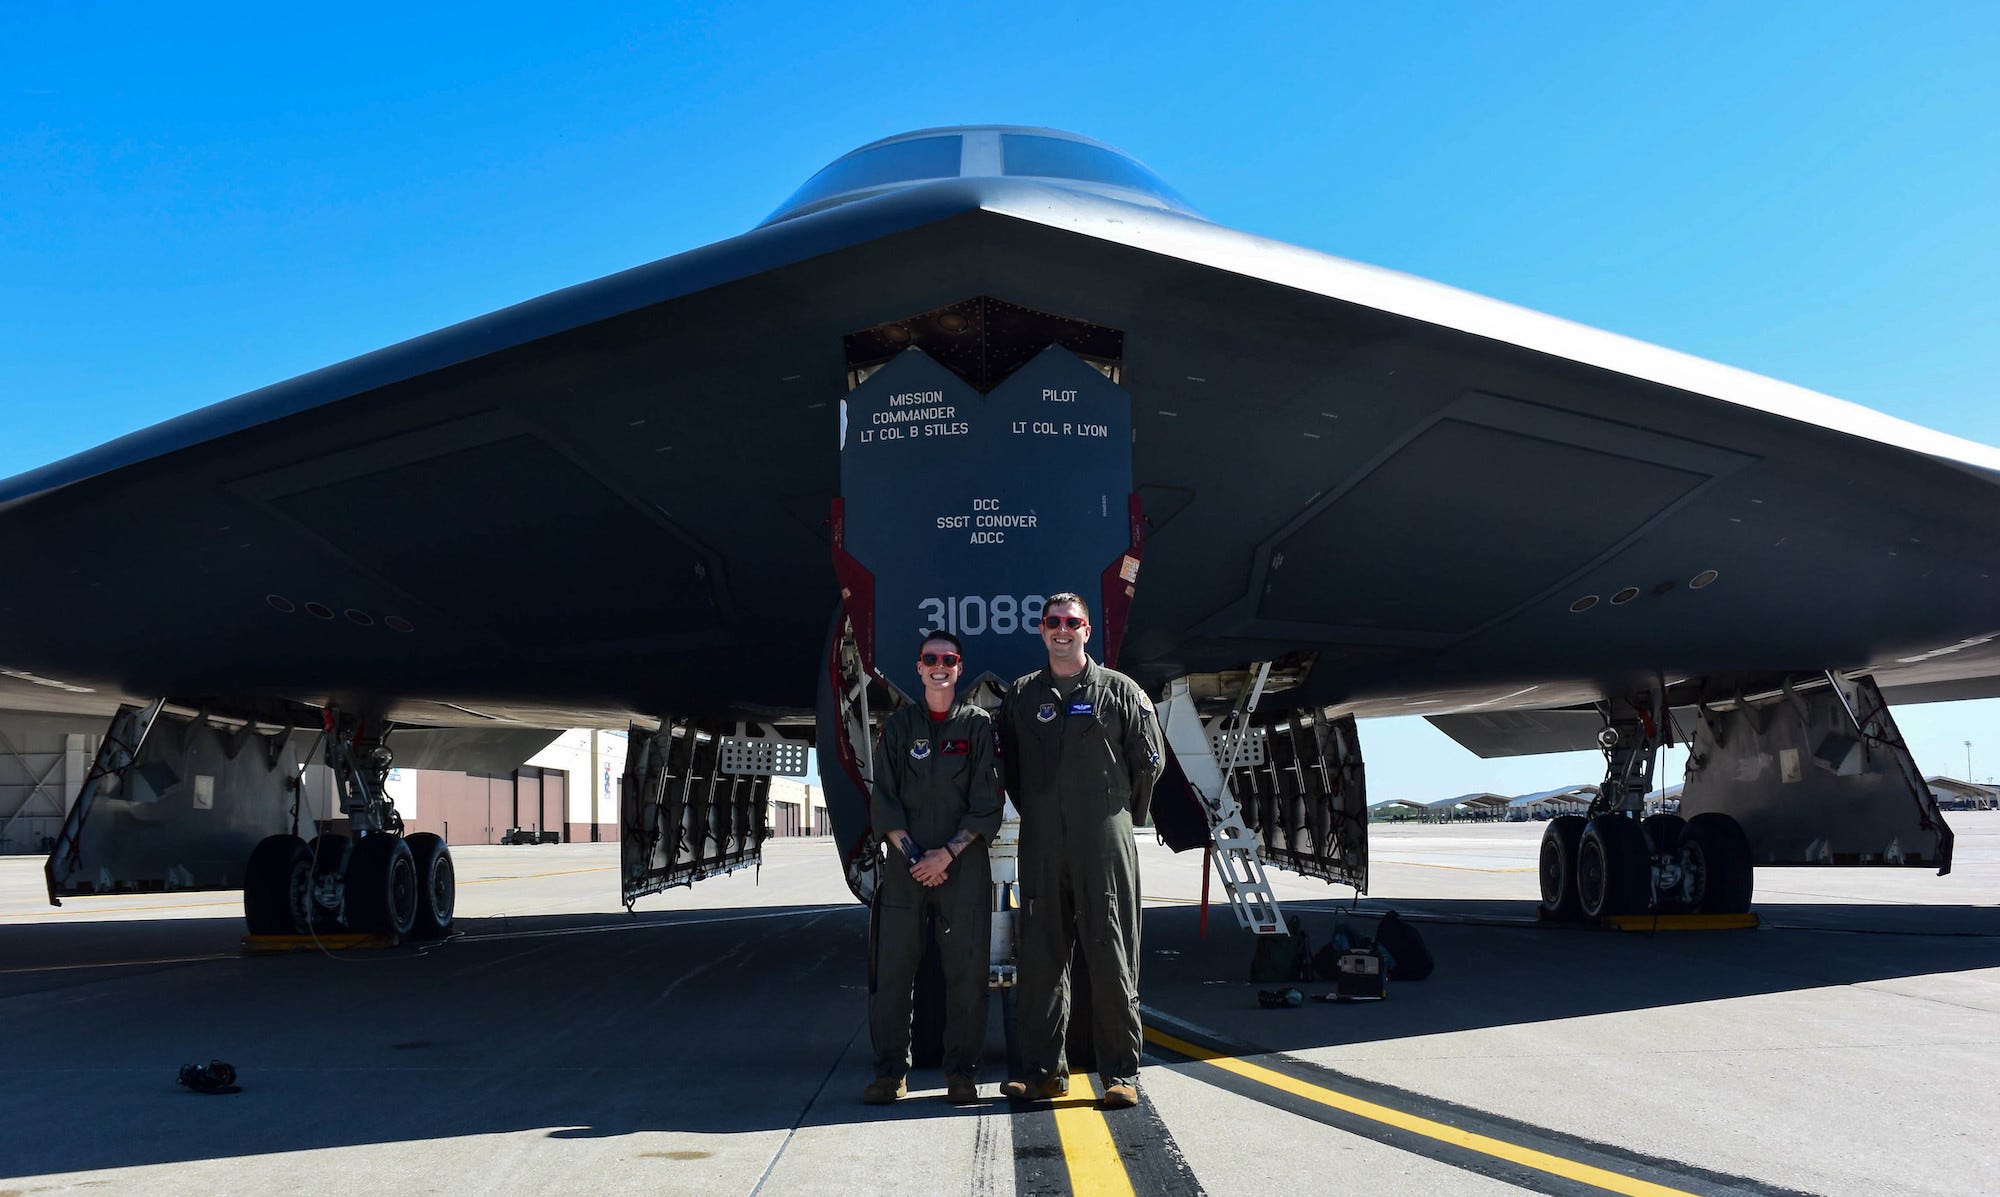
x: 1619, y: 861
x: 377, y: 881
x: 1613, y: 863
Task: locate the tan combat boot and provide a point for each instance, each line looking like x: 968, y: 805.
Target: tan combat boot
x: 960, y: 1091
x: 1120, y: 1097
x: 1047, y: 1089
x: 883, y: 1090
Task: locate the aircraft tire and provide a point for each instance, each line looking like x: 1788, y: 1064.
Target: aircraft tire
x: 927, y: 1008
x: 437, y: 886
x: 381, y: 886
x: 1715, y: 847
x: 1613, y: 873
x: 277, y: 887
x: 1663, y: 838
x: 1560, y: 841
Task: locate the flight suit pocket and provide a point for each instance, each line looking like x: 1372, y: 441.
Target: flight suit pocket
x: 1107, y: 921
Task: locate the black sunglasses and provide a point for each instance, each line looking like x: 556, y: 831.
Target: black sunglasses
x: 1072, y: 622
x: 945, y: 659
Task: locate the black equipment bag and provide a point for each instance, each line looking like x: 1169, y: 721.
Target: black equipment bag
x: 1363, y: 975
x: 1409, y: 959
x: 1326, y: 961
x: 1285, y: 957
x: 1177, y: 814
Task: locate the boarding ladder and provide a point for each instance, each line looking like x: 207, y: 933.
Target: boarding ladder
x: 1210, y: 754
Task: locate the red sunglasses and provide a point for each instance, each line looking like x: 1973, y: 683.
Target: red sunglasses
x: 948, y: 660
x: 1072, y: 622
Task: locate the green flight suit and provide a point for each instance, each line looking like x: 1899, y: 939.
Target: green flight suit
x: 934, y: 780
x: 1081, y: 755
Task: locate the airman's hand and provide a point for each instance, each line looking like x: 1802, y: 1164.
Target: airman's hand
x: 930, y: 869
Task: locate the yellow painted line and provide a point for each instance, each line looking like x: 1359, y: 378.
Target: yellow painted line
x: 60, y: 912
x: 1527, y: 1157
x: 537, y: 876
x: 59, y: 968
x: 1424, y: 864
x: 1095, y: 1167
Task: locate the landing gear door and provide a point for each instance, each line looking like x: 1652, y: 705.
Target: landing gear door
x: 966, y: 511
x: 184, y: 814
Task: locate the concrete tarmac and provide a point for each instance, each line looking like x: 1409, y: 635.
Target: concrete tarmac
x: 714, y: 1042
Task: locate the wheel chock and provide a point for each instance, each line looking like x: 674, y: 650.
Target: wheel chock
x: 268, y: 945
x: 1679, y: 922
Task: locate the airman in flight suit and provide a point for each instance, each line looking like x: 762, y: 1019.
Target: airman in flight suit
x: 1081, y: 748
x: 936, y: 804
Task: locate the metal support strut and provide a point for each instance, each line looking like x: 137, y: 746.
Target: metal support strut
x: 1237, y: 855
x: 358, y: 755
x: 1633, y: 733
x: 115, y: 754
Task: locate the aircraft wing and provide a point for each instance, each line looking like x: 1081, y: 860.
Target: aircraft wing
x: 611, y: 501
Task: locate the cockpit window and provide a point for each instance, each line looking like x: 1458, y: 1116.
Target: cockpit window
x: 897, y: 162
x: 1055, y: 158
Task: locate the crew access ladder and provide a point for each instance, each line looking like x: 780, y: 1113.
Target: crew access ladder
x: 1196, y: 747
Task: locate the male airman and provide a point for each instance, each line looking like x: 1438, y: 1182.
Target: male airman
x: 1081, y: 748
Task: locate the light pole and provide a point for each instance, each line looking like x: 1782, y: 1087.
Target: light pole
x: 1968, y: 760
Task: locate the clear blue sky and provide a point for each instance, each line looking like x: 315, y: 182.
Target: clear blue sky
x: 195, y: 202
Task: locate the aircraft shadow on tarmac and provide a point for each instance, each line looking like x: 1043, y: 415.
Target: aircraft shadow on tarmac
x: 719, y: 1021
x: 1496, y: 967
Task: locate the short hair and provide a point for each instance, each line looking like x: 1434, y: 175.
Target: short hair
x: 1067, y: 597
x: 941, y: 634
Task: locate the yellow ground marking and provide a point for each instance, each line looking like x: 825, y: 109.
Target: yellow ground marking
x: 1528, y: 1157
x: 1095, y: 1167
x: 58, y: 968
x: 537, y: 876
x: 238, y: 903
x: 53, y: 912
x: 1424, y: 864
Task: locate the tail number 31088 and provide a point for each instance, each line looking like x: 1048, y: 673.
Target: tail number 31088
x: 976, y: 615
